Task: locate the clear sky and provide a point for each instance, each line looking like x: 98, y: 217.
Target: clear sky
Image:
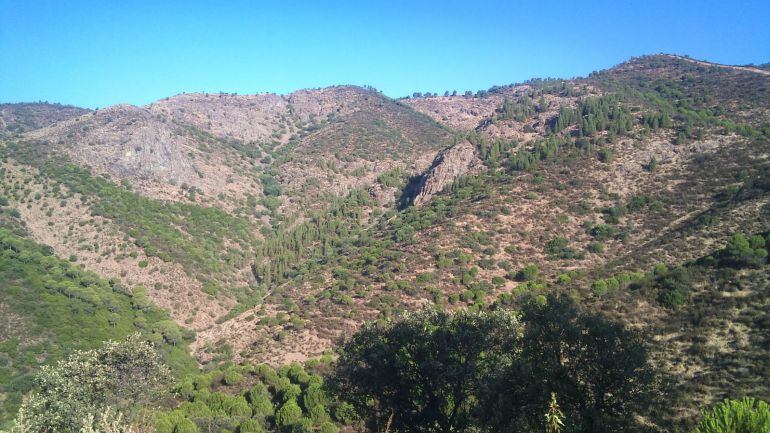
x: 98, y: 53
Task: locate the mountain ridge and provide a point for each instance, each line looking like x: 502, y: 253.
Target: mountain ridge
x: 274, y: 225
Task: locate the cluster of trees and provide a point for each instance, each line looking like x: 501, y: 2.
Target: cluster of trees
x: 255, y: 399
x: 318, y: 238
x: 520, y: 109
x: 592, y: 115
x: 542, y: 150
x: 491, y: 152
x: 746, y: 251
x: 454, y: 372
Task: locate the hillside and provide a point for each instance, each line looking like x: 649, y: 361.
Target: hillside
x: 274, y: 225
x: 24, y: 117
x: 644, y: 180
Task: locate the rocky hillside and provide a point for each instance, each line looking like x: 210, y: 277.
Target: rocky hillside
x: 597, y: 187
x: 272, y: 225
x: 20, y: 118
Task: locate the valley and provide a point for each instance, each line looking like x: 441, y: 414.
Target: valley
x: 248, y: 233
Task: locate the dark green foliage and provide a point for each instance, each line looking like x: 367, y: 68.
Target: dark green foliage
x: 558, y: 247
x: 270, y: 186
x: 595, y: 114
x: 519, y: 110
x: 605, y: 155
x: 527, y: 273
x: 603, y: 232
x: 742, y: 251
x: 597, y: 368
x: 439, y: 372
x: 321, y: 236
x: 420, y: 374
x: 675, y: 285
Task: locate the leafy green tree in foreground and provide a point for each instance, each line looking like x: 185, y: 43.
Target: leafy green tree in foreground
x: 458, y: 372
x: 105, y: 388
x: 598, y: 369
x: 421, y: 374
x: 736, y: 416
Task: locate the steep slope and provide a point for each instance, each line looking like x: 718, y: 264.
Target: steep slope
x: 175, y: 196
x: 588, y: 187
x: 273, y: 225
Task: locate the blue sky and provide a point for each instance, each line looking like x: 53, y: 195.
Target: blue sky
x: 99, y: 53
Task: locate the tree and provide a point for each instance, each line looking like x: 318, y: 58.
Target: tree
x: 420, y: 374
x: 119, y: 379
x: 290, y: 413
x: 598, y: 369
x: 742, y: 251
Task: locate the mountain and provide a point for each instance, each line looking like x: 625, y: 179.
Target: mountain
x: 269, y: 226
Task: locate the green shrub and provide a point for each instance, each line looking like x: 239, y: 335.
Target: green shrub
x: 186, y: 425
x: 290, y: 413
x: 558, y: 247
x: 596, y: 247
x: 603, y: 232
x: 262, y: 406
x: 250, y: 426
x: 345, y: 413
x: 232, y: 377
x: 743, y: 251
x: 748, y: 415
x: 605, y: 155
x: 528, y: 273
x: 239, y: 407
x: 329, y: 427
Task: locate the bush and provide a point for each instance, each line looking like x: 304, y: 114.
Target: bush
x: 345, y: 413
x: 250, y: 426
x: 420, y: 372
x: 742, y: 251
x: 736, y: 416
x: 603, y: 232
x: 559, y: 247
x: 605, y: 155
x: 329, y: 427
x: 290, y: 413
x: 528, y: 273
x: 232, y: 377
x: 596, y: 247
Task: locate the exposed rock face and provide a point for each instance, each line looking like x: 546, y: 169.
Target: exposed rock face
x: 449, y: 164
x: 243, y: 117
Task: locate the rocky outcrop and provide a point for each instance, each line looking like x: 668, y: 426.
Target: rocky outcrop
x: 449, y: 164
